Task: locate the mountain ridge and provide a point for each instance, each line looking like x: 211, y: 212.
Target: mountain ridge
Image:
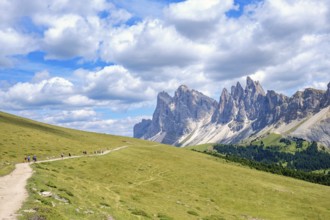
x: 190, y: 117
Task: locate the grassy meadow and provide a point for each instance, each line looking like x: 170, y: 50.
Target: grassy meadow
x: 20, y: 137
x: 273, y: 139
x: 146, y: 180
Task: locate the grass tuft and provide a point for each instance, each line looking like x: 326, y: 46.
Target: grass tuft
x: 140, y: 212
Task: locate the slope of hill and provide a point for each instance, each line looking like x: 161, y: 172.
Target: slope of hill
x: 145, y: 181
x: 190, y: 118
x: 148, y: 181
x: 20, y: 137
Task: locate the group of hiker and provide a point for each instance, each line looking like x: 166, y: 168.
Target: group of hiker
x: 34, y: 157
x: 28, y: 158
x: 95, y: 152
x: 62, y: 155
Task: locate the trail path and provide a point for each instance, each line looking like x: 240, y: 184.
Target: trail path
x: 13, y: 186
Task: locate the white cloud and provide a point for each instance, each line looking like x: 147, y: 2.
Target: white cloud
x: 63, y: 29
x: 116, y: 83
x: 40, y: 76
x: 287, y: 40
x: 150, y: 46
x: 14, y: 43
x: 195, y: 10
x: 45, y: 93
x: 64, y: 117
x: 196, y: 19
x: 282, y: 43
x: 72, y: 36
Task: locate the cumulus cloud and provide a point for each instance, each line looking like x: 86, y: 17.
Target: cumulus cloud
x: 150, y: 45
x: 283, y: 43
x: 112, y: 87
x: 45, y: 93
x: 72, y: 36
x: 62, y: 29
x: 197, y: 19
x: 14, y: 43
x: 116, y: 83
x: 286, y: 40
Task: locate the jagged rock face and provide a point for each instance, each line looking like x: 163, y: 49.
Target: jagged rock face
x: 303, y: 103
x: 275, y: 106
x: 238, y: 114
x: 253, y: 98
x: 141, y: 128
x: 175, y: 116
x: 190, y: 104
x: 226, y: 108
x: 326, y: 98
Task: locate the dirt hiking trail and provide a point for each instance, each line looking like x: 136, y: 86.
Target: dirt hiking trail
x: 13, y: 186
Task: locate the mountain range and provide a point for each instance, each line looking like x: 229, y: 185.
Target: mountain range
x: 190, y: 117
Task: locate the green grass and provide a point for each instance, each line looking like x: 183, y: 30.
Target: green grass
x: 20, y: 137
x: 273, y: 139
x: 201, y: 147
x: 148, y: 181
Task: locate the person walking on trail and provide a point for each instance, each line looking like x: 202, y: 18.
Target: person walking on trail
x: 28, y: 158
x: 34, y: 158
x: 69, y: 154
x: 62, y: 155
x: 25, y: 159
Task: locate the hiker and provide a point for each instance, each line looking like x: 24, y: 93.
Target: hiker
x: 62, y: 155
x: 25, y: 159
x: 69, y: 155
x: 34, y: 158
x: 28, y: 158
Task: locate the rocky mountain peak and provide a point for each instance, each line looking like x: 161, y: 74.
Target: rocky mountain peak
x: 225, y: 108
x: 237, y: 91
x: 182, y: 90
x: 192, y: 117
x: 254, y: 87
x: 224, y: 95
x: 326, y: 98
x: 164, y: 97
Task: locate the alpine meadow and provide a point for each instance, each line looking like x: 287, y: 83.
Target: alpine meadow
x: 165, y: 110
x: 147, y: 180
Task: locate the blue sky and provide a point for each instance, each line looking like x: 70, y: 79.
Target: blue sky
x: 99, y: 66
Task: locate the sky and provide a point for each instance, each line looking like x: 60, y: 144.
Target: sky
x: 98, y: 65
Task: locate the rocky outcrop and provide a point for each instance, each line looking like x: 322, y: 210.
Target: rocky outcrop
x: 326, y: 98
x: 189, y: 117
x: 176, y: 116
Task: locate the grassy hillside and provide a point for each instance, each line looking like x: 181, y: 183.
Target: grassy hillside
x: 201, y: 147
x: 20, y: 137
x: 147, y: 180
x: 271, y: 140
x: 159, y: 182
x: 284, y: 144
